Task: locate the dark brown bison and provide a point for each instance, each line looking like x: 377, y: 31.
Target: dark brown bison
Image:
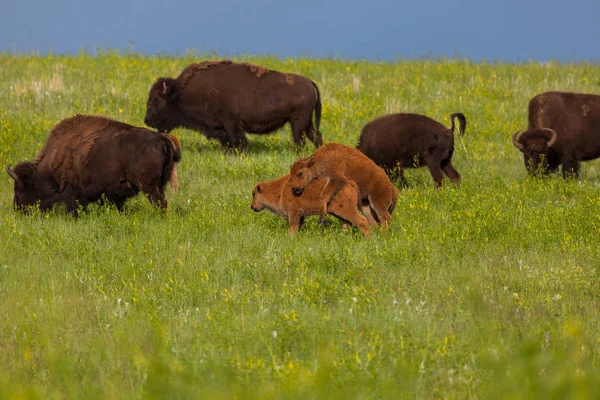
x: 88, y: 158
x: 399, y: 141
x: 223, y: 100
x: 564, y: 128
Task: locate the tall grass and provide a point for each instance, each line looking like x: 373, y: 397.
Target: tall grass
x: 487, y: 290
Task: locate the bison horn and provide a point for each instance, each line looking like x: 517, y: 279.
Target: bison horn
x: 12, y: 173
x: 552, y: 138
x: 165, y: 90
x: 516, y: 142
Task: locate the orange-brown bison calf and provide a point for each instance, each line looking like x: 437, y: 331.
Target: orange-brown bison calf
x: 342, y: 164
x: 276, y: 196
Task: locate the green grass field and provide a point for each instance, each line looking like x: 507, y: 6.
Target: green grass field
x: 487, y: 290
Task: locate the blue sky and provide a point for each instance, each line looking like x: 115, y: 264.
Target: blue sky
x: 506, y: 30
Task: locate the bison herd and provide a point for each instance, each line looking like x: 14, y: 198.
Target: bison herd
x: 92, y: 158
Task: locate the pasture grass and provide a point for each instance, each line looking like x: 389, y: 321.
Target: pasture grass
x: 487, y: 290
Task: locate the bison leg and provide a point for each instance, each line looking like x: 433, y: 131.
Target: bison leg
x: 570, y: 168
x: 331, y: 188
x: 380, y: 206
x: 434, y: 165
x: 301, y: 126
x: 157, y: 198
x: 236, y: 137
x: 400, y: 173
x: 313, y: 135
x: 73, y: 202
x: 368, y: 212
x: 451, y: 172
x: 295, y: 223
x: 351, y: 215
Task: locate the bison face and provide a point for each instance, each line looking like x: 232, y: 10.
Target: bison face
x: 257, y: 204
x: 29, y: 190
x: 535, y: 146
x: 301, y: 174
x: 161, y: 108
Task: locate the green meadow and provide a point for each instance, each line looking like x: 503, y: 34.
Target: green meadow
x: 485, y: 290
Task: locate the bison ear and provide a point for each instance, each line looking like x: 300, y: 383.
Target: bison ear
x: 310, y: 162
x: 170, y: 89
x: 258, y: 189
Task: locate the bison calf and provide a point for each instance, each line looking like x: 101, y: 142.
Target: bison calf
x: 224, y: 100
x: 563, y: 129
x: 399, y: 141
x: 87, y: 158
x: 276, y: 196
x: 342, y: 164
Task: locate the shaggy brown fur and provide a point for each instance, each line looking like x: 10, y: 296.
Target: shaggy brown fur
x: 88, y: 157
x: 276, y: 196
x: 340, y: 164
x: 225, y: 100
x: 399, y: 141
x: 564, y: 129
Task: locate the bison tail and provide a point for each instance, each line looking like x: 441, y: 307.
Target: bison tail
x: 172, y: 153
x: 462, y: 127
x: 318, y: 108
x: 176, y: 147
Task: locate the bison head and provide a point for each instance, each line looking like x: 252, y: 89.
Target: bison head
x: 30, y: 190
x: 301, y: 174
x: 535, y: 145
x: 162, y: 112
x: 257, y: 204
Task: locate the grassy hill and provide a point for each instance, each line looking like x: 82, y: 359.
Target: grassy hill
x: 487, y: 290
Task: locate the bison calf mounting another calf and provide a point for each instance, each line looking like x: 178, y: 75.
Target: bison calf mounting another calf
x: 88, y: 157
x: 224, y: 100
x: 399, y: 141
x: 276, y: 196
x: 341, y: 165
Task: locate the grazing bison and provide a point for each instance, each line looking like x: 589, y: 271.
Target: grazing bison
x: 342, y: 164
x: 223, y: 100
x: 88, y: 157
x: 399, y: 141
x: 276, y: 196
x: 564, y: 128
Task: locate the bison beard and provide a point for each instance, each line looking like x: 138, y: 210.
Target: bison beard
x: 90, y: 158
x: 225, y: 100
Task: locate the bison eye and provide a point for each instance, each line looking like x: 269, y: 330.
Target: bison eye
x: 299, y: 174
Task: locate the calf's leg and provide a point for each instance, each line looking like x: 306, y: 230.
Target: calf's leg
x: 331, y: 188
x: 380, y: 205
x: 295, y: 222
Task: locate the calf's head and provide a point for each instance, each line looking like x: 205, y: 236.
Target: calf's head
x: 162, y: 112
x: 257, y: 197
x: 301, y: 174
x: 30, y: 190
x: 535, y: 145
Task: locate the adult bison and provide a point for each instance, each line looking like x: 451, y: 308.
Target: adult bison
x: 88, y: 157
x: 399, y: 141
x: 563, y: 128
x: 223, y: 100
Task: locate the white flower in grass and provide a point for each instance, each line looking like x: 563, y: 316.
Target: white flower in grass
x: 274, y: 334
